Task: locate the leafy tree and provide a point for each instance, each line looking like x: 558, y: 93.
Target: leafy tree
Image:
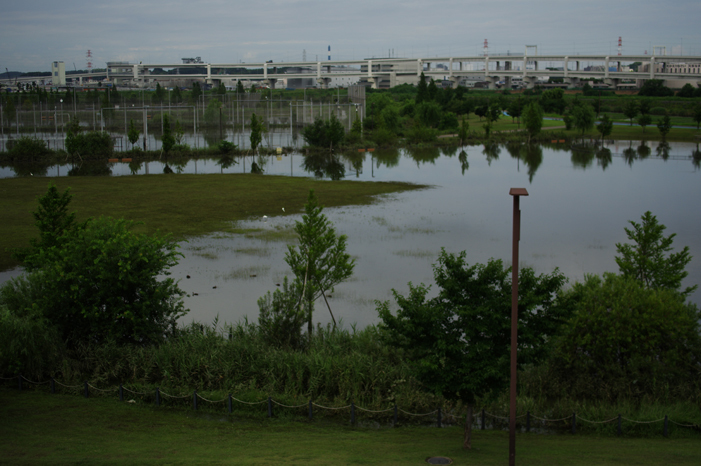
x: 239, y: 88
x: 686, y: 91
x: 432, y: 90
x: 159, y: 94
x: 422, y: 90
x: 178, y: 132
x: 53, y: 221
x: 324, y: 133
x: 605, y: 127
x: 644, y: 120
x: 212, y: 112
x: 458, y: 343
x: 177, y: 95
x: 655, y: 88
x: 625, y: 341
x: 583, y: 117
x: 132, y: 133
x: 167, y: 140
x: 697, y: 115
x: 256, y: 132
x: 647, y: 259
x: 101, y: 283
x: 253, y: 89
x: 429, y: 113
x: 463, y: 131
x: 631, y: 110
x: 644, y: 106
x: 664, y: 125
x: 532, y: 119
x: 481, y: 111
x: 8, y: 109
x: 320, y: 261
x: 516, y: 109
x: 196, y: 91
x: 221, y: 89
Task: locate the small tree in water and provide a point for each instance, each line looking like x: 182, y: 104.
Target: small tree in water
x: 320, y: 261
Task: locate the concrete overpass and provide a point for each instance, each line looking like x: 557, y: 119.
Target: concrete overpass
x: 492, y: 69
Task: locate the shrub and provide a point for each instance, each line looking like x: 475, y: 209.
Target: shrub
x: 27, y: 147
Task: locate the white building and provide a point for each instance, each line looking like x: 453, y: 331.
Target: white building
x: 58, y: 73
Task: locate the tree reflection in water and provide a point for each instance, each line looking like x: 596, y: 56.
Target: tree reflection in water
x: 324, y: 165
x: 604, y: 157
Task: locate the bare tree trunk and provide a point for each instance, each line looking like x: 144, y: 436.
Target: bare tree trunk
x: 467, y: 440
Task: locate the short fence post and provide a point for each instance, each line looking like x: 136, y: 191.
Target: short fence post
x: 395, y: 414
x: 194, y: 400
x: 574, y: 423
x: 528, y: 421
x: 311, y: 416
x: 158, y: 396
x: 666, y: 432
x: 86, y: 389
x: 270, y: 407
x: 439, y: 417
x: 121, y: 392
x: 228, y: 404
x: 53, y: 386
x: 352, y: 413
x: 619, y: 425
x: 482, y: 418
x: 19, y: 382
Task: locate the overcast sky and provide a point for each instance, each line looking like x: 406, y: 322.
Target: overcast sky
x: 33, y: 33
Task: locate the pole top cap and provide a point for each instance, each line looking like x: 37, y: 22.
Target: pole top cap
x: 518, y: 192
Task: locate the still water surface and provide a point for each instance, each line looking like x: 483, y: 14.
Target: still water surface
x: 576, y: 211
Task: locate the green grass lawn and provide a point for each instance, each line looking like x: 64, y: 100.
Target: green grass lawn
x: 40, y: 428
x: 184, y: 205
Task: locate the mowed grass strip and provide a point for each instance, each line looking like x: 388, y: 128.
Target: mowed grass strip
x: 184, y: 205
x: 40, y: 428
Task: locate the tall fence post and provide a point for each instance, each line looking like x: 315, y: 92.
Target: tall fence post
x: 121, y: 392
x: 619, y: 424
x: 270, y: 407
x: 352, y: 413
x: 194, y: 400
x: 482, y: 418
x: 574, y: 423
x: 311, y: 415
x: 158, y: 396
x: 395, y: 414
x: 439, y: 418
x: 666, y: 431
x: 86, y: 389
x: 528, y: 421
x: 53, y: 386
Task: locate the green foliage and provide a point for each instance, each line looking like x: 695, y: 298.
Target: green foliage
x: 458, y: 342
x: 256, y: 132
x: 196, y: 91
x: 132, y: 133
x: 647, y: 259
x: 428, y: 113
x: 583, y: 117
x: 420, y: 133
x: 631, y: 110
x: 655, y: 88
x: 280, y: 317
x: 177, y: 95
x: 324, y: 133
x: 320, y: 261
x: 239, y: 87
x: 91, y: 145
x: 626, y: 341
x: 167, y: 140
x: 553, y: 101
x: 532, y: 119
x: 226, y: 147
x: 159, y: 94
x: 422, y: 90
x: 686, y: 91
x: 27, y: 147
x: 463, y: 131
x: 102, y: 282
x: 8, y: 108
x: 432, y: 90
x: 644, y: 120
x: 664, y: 124
x: 212, y: 112
x: 29, y: 344
x: 605, y: 126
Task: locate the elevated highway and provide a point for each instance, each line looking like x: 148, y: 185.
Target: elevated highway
x: 387, y: 72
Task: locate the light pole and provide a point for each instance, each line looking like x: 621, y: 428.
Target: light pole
x: 516, y: 193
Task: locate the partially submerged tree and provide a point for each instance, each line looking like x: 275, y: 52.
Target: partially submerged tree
x: 319, y: 261
x: 256, y: 132
x: 132, y: 133
x: 604, y: 127
x: 532, y: 119
x: 458, y: 343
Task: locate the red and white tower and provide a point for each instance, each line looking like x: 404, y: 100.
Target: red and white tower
x: 620, y: 45
x: 88, y: 57
x: 486, y: 48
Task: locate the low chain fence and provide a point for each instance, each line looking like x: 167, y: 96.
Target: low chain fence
x: 438, y: 415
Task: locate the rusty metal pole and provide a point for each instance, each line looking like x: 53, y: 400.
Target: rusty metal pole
x: 516, y: 193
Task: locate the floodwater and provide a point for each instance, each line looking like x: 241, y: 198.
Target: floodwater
x: 575, y: 213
